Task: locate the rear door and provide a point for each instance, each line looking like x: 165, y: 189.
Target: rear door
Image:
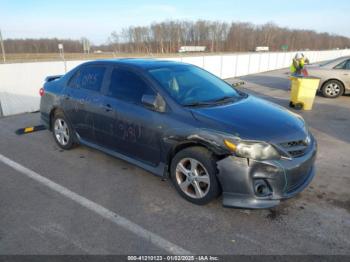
x: 124, y: 124
x: 347, y: 74
x: 343, y: 72
x: 82, y: 99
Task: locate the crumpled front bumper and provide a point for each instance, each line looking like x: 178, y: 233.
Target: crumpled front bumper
x: 285, y: 178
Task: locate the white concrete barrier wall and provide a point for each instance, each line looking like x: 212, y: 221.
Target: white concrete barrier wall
x: 20, y: 83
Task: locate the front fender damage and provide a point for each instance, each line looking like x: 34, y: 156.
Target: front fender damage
x: 238, y: 176
x: 240, y: 179
x: 213, y: 140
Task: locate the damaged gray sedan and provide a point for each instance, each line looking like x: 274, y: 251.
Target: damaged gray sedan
x: 179, y: 121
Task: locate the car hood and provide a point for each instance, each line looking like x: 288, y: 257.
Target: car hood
x: 316, y: 68
x: 254, y: 119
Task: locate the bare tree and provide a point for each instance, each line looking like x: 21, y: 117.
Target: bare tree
x: 168, y: 36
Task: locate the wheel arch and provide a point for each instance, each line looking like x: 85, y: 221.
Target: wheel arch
x: 60, y: 110
x: 217, y: 152
x: 52, y: 113
x: 333, y: 79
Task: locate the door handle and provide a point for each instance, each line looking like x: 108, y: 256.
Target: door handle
x: 107, y: 108
x: 66, y: 97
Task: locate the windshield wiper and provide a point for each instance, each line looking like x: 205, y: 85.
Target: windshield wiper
x: 212, y: 102
x: 220, y: 100
x: 193, y: 104
x: 223, y: 99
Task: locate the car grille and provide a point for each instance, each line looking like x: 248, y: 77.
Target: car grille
x: 298, y: 175
x: 295, y: 148
x: 296, y: 179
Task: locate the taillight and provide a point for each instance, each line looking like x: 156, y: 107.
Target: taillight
x: 41, y: 91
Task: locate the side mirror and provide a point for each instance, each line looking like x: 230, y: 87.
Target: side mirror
x: 154, y: 102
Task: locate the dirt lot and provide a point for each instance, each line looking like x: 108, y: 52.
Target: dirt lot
x: 34, y: 219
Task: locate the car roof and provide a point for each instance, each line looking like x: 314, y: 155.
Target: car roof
x: 334, y: 62
x: 144, y: 63
x: 342, y: 58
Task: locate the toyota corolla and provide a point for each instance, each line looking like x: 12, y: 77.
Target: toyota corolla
x: 183, y: 123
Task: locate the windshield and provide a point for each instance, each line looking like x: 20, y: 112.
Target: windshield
x: 190, y: 85
x: 330, y: 62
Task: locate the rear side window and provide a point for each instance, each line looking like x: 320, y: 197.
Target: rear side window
x: 88, y: 77
x: 74, y: 82
x: 128, y: 86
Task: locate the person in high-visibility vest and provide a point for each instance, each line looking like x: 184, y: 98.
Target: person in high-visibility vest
x: 298, y: 64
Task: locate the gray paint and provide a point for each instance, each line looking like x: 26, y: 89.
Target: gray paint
x: 159, y: 134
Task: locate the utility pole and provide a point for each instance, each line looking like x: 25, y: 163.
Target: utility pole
x: 61, y: 49
x: 86, y: 45
x: 2, y: 47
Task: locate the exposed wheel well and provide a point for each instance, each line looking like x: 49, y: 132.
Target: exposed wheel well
x: 185, y: 145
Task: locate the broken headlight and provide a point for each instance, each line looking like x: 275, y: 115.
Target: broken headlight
x: 253, y: 150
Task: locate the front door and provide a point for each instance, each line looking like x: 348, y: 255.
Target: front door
x: 125, y: 125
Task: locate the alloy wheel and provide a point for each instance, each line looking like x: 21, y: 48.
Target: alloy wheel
x: 332, y: 89
x: 61, y: 131
x: 192, y: 178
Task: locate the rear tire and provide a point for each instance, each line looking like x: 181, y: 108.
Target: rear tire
x: 332, y: 89
x: 193, y: 173
x: 62, y: 131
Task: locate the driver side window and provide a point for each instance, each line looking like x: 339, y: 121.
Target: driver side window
x: 128, y: 86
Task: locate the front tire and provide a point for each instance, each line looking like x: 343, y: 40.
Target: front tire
x: 62, y: 131
x: 332, y: 89
x: 193, y: 173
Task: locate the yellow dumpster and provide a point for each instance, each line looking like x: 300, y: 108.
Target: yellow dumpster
x: 303, y: 91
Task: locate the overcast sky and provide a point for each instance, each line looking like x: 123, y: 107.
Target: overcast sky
x: 97, y: 19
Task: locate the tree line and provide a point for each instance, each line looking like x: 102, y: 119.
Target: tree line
x: 168, y: 36
x: 44, y: 45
